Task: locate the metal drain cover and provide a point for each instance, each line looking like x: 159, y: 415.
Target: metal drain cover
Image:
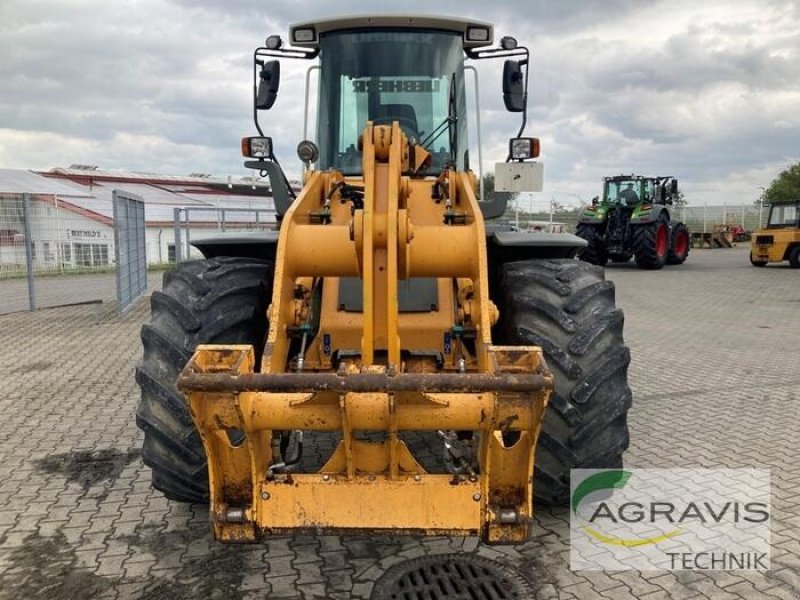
x: 451, y: 577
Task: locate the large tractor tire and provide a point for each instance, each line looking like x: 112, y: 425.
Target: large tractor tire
x: 221, y: 301
x: 567, y: 308
x: 651, y: 243
x: 794, y: 257
x: 595, y: 252
x: 679, y: 245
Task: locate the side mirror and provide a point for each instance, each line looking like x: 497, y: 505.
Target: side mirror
x: 674, y: 186
x: 269, y: 80
x: 513, y: 86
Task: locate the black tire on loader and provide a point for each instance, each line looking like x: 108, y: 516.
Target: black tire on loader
x: 757, y: 263
x: 567, y: 308
x: 679, y: 245
x: 595, y: 252
x: 651, y: 243
x: 218, y: 300
x: 794, y: 257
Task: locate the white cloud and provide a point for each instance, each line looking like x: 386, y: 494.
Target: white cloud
x: 705, y: 91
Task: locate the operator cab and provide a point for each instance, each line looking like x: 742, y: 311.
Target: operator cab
x: 626, y: 192
x: 414, y: 77
x: 784, y: 216
x: 404, y: 69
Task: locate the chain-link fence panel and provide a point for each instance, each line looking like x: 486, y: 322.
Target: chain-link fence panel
x: 53, y: 253
x: 193, y: 224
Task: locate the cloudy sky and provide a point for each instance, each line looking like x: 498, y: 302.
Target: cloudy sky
x: 708, y: 91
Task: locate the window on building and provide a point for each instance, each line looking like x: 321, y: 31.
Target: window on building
x: 83, y: 255
x: 66, y: 254
x: 99, y: 254
x: 171, y: 253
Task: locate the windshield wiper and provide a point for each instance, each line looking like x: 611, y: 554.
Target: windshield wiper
x: 449, y: 123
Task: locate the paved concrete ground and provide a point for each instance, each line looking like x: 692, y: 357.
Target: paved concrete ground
x: 62, y: 290
x: 715, y: 375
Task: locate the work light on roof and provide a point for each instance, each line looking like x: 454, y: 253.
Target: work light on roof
x: 274, y: 42
x: 306, y: 34
x: 508, y: 43
x: 477, y: 34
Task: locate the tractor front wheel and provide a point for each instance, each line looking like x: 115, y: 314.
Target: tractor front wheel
x: 567, y: 308
x: 595, y: 251
x: 214, y: 301
x: 651, y: 243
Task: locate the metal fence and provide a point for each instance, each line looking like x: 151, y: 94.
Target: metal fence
x: 53, y: 253
x: 195, y: 223
x: 697, y: 218
x: 705, y: 218
x: 130, y: 245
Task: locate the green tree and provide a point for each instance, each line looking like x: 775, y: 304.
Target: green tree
x: 785, y: 186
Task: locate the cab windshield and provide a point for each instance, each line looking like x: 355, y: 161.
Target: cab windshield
x: 783, y: 215
x: 623, y: 192
x: 384, y: 76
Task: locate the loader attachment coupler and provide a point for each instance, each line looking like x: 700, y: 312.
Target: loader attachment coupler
x: 367, y: 486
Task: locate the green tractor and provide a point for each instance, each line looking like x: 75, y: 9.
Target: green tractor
x: 632, y: 220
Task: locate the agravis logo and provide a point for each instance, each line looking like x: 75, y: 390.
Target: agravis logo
x: 670, y: 518
x: 609, y: 480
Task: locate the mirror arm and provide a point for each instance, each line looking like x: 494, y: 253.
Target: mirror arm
x: 502, y: 53
x: 524, y: 63
x: 288, y: 52
x: 496, y: 53
x: 256, y: 64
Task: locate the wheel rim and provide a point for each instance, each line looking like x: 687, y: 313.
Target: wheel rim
x: 681, y: 243
x: 661, y: 240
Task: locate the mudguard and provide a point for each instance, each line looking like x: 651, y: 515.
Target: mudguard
x: 647, y: 213
x: 258, y: 244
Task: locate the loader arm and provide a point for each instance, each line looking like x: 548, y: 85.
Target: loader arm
x: 386, y: 367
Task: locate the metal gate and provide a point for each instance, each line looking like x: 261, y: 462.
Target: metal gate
x: 129, y: 242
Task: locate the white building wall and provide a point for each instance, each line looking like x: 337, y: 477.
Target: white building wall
x: 63, y: 238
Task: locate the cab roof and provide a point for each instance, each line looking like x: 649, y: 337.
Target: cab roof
x: 393, y: 21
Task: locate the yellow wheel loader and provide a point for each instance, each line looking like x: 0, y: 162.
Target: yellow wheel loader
x: 385, y: 360
x: 780, y: 240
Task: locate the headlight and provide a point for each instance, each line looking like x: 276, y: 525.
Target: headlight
x: 257, y: 147
x: 524, y: 148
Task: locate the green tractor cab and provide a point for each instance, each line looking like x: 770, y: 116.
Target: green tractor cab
x: 633, y: 221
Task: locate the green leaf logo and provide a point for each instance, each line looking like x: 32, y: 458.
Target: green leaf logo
x: 599, y: 481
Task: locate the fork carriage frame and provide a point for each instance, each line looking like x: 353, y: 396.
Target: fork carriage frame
x: 401, y: 231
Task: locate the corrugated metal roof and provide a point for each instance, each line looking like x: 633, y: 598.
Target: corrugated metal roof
x: 20, y: 181
x: 160, y: 202
x: 154, y: 176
